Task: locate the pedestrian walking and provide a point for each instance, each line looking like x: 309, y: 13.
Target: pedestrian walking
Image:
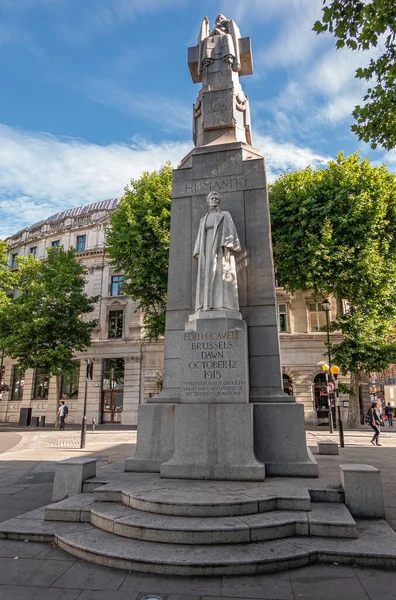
x: 389, y: 414
x: 62, y: 414
x: 374, y: 419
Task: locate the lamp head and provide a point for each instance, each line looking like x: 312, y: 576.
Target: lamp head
x: 325, y: 367
x: 334, y: 370
x: 326, y: 305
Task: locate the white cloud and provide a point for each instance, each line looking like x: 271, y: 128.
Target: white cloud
x: 287, y: 157
x: 295, y: 43
x: 41, y: 174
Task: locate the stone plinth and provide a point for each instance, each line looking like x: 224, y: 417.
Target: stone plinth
x: 214, y: 441
x: 363, y: 491
x: 70, y: 475
x: 214, y: 365
x: 155, y: 433
x: 279, y: 440
x: 327, y: 447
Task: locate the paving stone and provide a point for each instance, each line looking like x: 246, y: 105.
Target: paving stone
x: 52, y: 552
x: 17, y: 592
x: 326, y: 587
x: 85, y: 575
x: 184, y: 586
x: 379, y: 585
x: 96, y: 595
x: 10, y: 490
x: 25, y: 505
x: 275, y: 585
x: 8, y: 513
x: 28, y: 571
x: 183, y: 597
x: 12, y: 548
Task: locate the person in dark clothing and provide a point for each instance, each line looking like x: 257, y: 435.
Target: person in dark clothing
x: 389, y: 414
x: 375, y: 420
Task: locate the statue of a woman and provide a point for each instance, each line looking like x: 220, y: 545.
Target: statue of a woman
x: 222, y: 43
x: 217, y: 240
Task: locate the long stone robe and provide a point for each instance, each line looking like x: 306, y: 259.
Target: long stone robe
x: 219, y: 44
x: 216, y: 278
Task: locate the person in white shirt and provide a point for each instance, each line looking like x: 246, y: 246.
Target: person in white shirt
x: 62, y: 412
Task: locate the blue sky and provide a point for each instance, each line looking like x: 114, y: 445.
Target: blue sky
x: 93, y: 92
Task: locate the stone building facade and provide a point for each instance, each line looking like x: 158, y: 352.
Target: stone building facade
x: 126, y: 368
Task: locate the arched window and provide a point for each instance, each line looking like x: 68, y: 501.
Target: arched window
x: 287, y: 385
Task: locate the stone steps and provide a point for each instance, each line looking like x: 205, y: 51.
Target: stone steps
x: 332, y: 520
x: 200, y: 503
x: 104, y: 548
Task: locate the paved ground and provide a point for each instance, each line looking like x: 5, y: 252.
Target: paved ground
x: 32, y: 571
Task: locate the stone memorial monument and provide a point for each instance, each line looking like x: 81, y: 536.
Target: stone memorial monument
x: 222, y: 413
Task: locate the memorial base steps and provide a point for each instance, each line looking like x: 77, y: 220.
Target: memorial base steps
x: 247, y: 530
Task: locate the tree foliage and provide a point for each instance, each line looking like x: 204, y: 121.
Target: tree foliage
x: 7, y: 283
x: 7, y: 278
x: 138, y: 244
x: 361, y: 25
x: 43, y: 325
x: 334, y: 232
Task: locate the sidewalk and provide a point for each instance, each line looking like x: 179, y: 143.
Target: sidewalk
x: 33, y: 571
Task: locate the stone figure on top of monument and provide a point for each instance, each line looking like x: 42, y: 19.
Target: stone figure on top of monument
x: 216, y: 243
x: 220, y: 43
x: 221, y: 111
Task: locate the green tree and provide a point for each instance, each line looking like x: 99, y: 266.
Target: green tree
x: 334, y: 232
x: 361, y: 25
x: 138, y: 244
x: 7, y: 283
x: 44, y: 325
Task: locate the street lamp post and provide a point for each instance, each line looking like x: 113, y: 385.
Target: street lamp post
x: 335, y: 371
x: 88, y: 375
x: 326, y: 307
x: 326, y: 371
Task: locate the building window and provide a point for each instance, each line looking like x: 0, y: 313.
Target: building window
x: 317, y: 316
x: 117, y: 284
x: 282, y: 316
x: 116, y: 319
x: 18, y: 382
x: 33, y: 251
x: 14, y: 260
x: 113, y: 390
x: 41, y: 384
x: 113, y: 374
x: 55, y: 244
x: 81, y: 243
x: 69, y: 385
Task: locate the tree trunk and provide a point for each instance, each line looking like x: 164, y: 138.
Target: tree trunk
x: 354, y: 402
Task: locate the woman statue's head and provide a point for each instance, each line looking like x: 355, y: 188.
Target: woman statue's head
x: 213, y: 200
x: 220, y: 20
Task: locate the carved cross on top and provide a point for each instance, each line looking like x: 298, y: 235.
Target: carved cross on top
x: 245, y: 49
